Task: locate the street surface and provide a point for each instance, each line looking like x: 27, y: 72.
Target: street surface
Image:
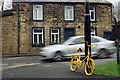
x: 34, y: 67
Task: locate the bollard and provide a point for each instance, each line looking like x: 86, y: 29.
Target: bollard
x: 118, y: 55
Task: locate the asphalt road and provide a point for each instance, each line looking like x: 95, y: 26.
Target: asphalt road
x: 34, y: 67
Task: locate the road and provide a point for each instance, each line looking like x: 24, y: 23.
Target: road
x: 34, y: 67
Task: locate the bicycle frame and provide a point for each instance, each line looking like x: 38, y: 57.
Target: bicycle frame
x: 87, y: 57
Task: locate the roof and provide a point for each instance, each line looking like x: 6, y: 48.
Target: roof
x: 82, y: 1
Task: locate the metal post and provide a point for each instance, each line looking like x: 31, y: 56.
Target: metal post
x: 118, y: 55
x: 87, y: 29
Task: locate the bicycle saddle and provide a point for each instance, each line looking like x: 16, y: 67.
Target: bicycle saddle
x: 79, y: 49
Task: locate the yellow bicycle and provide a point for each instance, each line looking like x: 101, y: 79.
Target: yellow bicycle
x: 76, y: 61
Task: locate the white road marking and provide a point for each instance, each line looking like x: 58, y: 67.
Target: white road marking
x: 47, y: 65
x: 3, y: 64
x: 18, y: 65
x: 14, y: 58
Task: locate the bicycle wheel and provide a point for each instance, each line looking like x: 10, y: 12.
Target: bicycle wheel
x: 73, y: 63
x: 89, y: 67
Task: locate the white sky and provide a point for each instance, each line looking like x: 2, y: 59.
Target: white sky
x: 113, y: 0
x: 7, y: 5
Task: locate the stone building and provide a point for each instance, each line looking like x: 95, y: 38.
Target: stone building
x: 32, y: 24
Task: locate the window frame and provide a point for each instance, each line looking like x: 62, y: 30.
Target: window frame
x: 42, y: 12
x: 73, y: 13
x: 92, y: 9
x: 38, y: 44
x: 59, y: 32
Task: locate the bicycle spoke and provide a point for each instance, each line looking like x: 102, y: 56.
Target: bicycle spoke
x: 89, y: 67
x: 73, y: 63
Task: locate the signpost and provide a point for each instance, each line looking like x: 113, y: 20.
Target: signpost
x: 87, y: 29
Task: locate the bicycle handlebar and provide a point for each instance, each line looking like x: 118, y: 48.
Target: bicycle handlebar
x: 87, y: 43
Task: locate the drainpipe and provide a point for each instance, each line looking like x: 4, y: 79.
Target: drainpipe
x: 18, y: 24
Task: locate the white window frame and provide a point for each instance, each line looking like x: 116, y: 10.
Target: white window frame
x: 38, y: 10
x: 1, y: 4
x: 92, y: 10
x: 39, y: 33
x: 93, y: 32
x: 52, y: 33
x: 67, y: 13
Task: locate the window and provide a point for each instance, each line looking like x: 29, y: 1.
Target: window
x: 92, y: 13
x: 93, y: 32
x: 93, y: 40
x: 54, y: 36
x: 69, y: 13
x: 38, y: 37
x: 37, y: 12
x: 79, y: 40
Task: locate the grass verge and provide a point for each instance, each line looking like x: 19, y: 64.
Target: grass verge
x: 109, y: 69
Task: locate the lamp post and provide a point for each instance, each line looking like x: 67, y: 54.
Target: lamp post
x: 87, y: 29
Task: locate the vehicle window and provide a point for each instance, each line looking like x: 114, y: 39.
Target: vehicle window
x: 78, y: 41
x: 93, y: 40
x: 68, y: 41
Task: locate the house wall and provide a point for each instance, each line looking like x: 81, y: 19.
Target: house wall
x: 9, y: 34
x: 104, y: 19
x: 53, y: 17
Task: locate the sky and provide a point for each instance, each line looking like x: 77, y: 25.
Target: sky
x: 113, y: 0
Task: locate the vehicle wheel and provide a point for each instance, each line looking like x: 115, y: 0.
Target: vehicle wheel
x: 58, y: 56
x: 103, y: 54
x: 89, y: 67
x: 73, y: 63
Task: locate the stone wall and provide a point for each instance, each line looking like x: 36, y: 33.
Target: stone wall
x: 104, y: 19
x: 53, y: 17
x: 9, y: 34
